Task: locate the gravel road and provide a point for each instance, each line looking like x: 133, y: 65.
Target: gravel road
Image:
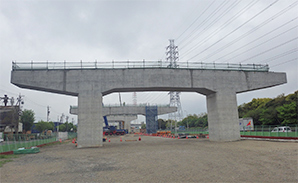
x: 156, y: 159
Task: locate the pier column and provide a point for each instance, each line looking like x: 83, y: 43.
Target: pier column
x: 223, y: 120
x: 90, y: 120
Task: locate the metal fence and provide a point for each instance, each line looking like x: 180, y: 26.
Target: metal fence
x: 265, y: 130
x: 12, y: 142
x: 48, y: 65
x: 269, y: 131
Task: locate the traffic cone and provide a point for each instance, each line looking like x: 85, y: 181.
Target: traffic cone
x: 74, y: 141
x: 186, y: 136
x: 120, y: 139
x: 197, y: 136
x: 60, y: 140
x: 174, y: 137
x: 207, y: 136
x: 139, y: 138
x: 178, y: 137
x: 109, y: 140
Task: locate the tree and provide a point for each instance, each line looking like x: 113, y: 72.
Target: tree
x: 200, y: 120
x: 288, y: 112
x: 42, y: 126
x: 27, y: 118
x: 269, y: 117
x: 143, y: 126
x: 161, y: 124
x: 62, y: 128
x: 74, y: 128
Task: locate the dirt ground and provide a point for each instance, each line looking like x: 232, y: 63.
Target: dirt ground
x: 156, y: 159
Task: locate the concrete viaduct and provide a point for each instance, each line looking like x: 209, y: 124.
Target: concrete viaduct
x: 123, y: 112
x: 90, y: 83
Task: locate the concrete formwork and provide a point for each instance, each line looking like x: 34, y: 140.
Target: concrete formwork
x: 220, y: 87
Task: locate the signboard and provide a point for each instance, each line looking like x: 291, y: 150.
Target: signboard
x: 246, y: 124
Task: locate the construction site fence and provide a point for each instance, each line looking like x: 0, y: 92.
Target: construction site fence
x: 14, y: 141
x: 267, y: 130
x: 260, y: 130
x: 192, y: 131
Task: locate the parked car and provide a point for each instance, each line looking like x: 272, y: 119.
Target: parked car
x: 282, y: 129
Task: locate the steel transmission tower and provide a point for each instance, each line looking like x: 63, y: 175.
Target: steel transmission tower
x: 172, y: 58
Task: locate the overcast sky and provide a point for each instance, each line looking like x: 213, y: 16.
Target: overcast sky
x: 234, y: 31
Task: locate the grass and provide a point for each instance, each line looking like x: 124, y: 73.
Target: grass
x: 7, y: 158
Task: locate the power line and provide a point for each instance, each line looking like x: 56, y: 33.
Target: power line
x: 206, y: 20
x: 256, y: 15
x: 224, y: 25
x: 254, y: 47
x: 264, y: 35
x: 279, y: 56
x: 270, y: 49
x: 195, y: 20
x: 285, y: 62
x: 219, y: 17
x: 254, y: 29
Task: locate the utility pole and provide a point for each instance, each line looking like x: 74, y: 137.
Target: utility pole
x: 120, y: 99
x: 20, y: 102
x: 172, y: 58
x: 48, y: 113
x: 67, y: 123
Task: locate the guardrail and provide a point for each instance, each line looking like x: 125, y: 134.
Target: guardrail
x: 46, y: 65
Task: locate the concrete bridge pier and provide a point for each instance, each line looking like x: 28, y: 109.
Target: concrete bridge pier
x: 90, y: 120
x: 223, y: 119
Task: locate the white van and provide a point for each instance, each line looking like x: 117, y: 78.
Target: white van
x: 282, y: 129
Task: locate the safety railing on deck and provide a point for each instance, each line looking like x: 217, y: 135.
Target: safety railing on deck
x: 128, y: 105
x: 48, y: 65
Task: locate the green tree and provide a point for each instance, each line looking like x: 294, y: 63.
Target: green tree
x: 288, y: 113
x: 62, y: 128
x: 161, y: 124
x: 41, y: 126
x: 269, y: 117
x: 143, y: 126
x: 74, y: 128
x: 169, y: 122
x: 195, y: 121
x: 27, y: 118
x: 277, y: 111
